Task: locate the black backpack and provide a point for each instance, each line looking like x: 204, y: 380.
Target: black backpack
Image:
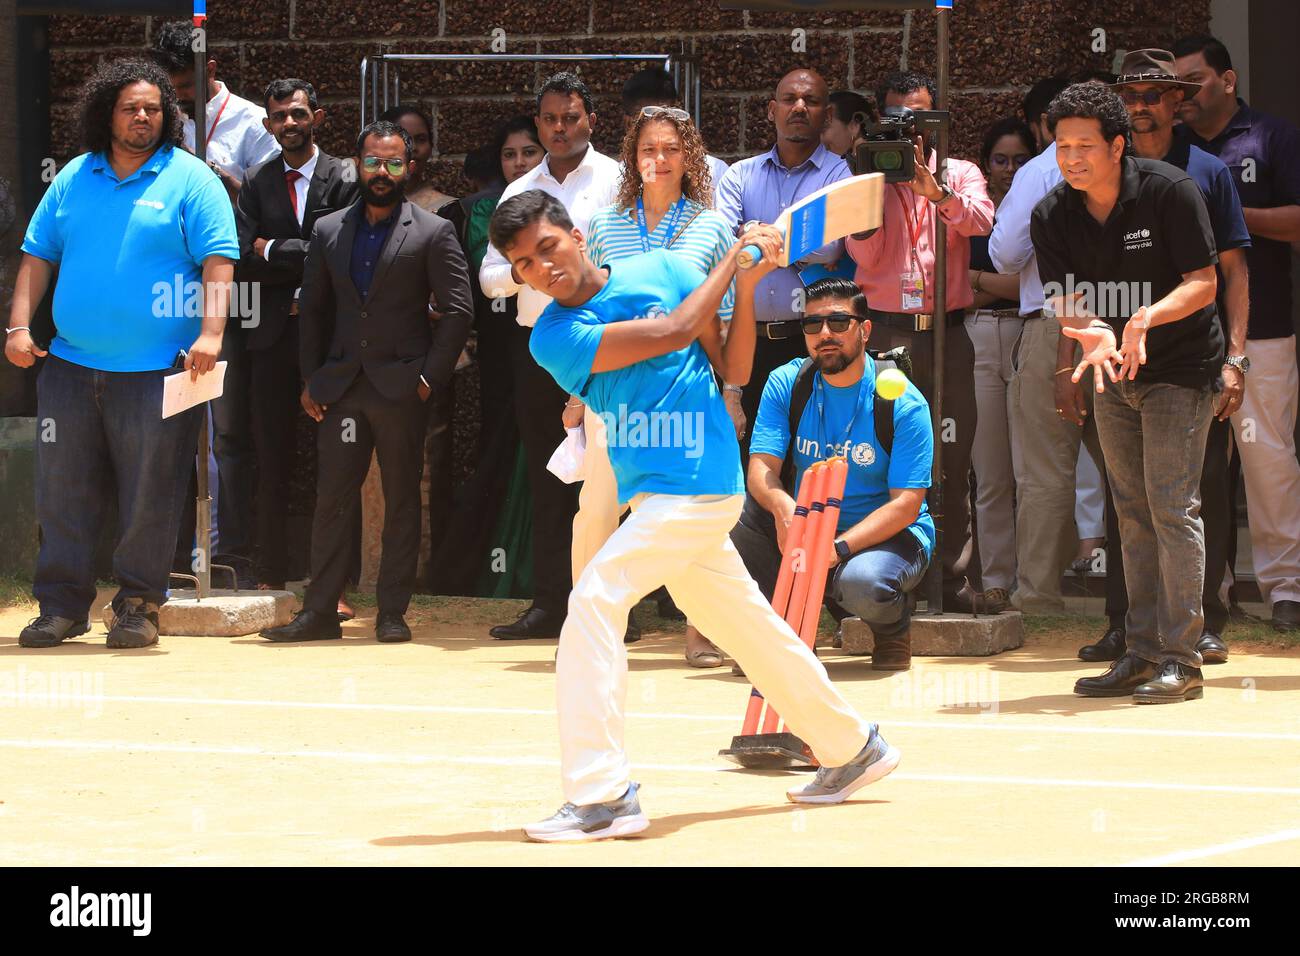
x: 882, y: 409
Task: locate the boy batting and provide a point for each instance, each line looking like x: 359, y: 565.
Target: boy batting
x: 624, y: 340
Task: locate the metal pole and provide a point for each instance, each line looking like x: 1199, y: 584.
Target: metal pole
x: 203, y: 500
x: 385, y: 82
x: 940, y: 322
x: 365, y: 63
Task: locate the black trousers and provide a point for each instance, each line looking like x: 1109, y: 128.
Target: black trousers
x: 539, y: 405
x: 360, y: 422
x: 1217, y: 515
x: 769, y: 355
x: 275, y: 388
x: 232, y: 447
x: 957, y: 434
x: 439, y: 446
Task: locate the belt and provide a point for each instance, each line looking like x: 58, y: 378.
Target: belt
x: 780, y: 330
x: 908, y: 321
x: 1001, y: 313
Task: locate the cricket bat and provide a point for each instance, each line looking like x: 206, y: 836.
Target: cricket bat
x: 832, y: 212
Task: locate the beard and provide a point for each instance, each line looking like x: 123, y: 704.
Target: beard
x: 389, y: 197
x: 832, y: 363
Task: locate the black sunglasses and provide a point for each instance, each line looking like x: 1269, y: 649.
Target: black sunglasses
x: 1149, y: 97
x: 837, y: 321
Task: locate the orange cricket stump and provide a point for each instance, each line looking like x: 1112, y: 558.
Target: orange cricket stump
x: 772, y: 749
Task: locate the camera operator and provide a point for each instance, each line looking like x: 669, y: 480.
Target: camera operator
x: 895, y: 269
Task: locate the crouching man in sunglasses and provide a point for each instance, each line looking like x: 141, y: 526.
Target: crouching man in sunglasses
x: 826, y: 406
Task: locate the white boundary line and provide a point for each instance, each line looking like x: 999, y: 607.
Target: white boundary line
x: 114, y: 746
x: 975, y: 722
x: 1183, y: 856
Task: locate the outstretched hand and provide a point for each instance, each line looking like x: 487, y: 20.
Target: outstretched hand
x: 1099, y: 351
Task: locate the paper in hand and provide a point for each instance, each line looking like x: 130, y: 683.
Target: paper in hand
x: 179, y: 393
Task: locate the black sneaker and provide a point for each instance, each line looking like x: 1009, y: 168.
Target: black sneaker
x: 136, y: 624
x: 49, y: 630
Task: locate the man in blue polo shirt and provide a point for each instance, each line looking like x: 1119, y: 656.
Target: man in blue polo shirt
x: 625, y: 342
x: 885, y: 535
x: 1262, y: 153
x: 143, y: 237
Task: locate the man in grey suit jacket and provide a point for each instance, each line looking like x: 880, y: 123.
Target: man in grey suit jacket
x: 384, y: 312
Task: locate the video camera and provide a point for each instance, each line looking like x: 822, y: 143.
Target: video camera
x: 888, y: 145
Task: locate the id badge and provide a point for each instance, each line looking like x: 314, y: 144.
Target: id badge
x: 911, y: 289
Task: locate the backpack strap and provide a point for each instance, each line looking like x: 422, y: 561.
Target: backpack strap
x: 799, y: 395
x: 884, y: 411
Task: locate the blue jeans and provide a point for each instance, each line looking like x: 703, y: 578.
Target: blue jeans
x: 1153, y: 436
x: 91, y: 426
x: 874, y: 584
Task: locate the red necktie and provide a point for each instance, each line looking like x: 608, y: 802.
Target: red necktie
x: 291, y: 176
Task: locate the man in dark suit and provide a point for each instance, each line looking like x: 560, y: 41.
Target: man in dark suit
x: 384, y: 312
x: 276, y: 211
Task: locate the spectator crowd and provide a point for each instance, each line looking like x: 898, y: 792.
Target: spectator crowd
x: 1118, y: 351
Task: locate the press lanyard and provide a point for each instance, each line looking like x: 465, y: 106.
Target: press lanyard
x: 217, y: 119
x: 821, y: 411
x: 676, y: 214
x: 913, y: 234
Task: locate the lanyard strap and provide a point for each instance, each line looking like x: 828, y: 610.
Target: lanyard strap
x: 913, y: 234
x: 217, y: 119
x: 821, y: 408
x: 675, y: 212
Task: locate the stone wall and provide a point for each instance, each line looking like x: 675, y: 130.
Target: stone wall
x: 999, y: 47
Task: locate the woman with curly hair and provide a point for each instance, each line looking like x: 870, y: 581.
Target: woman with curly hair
x: 663, y: 202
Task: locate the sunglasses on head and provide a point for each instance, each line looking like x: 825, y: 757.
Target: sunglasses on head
x: 394, y: 166
x: 836, y: 321
x: 650, y: 112
x: 1147, y: 97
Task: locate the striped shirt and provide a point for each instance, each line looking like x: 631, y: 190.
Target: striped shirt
x: 613, y: 234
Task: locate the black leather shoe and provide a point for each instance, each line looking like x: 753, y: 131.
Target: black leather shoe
x: 1111, y: 647
x: 391, y: 629
x: 534, y: 624
x: 1124, y: 676
x: 306, y: 626
x: 1212, y: 648
x: 1286, y: 616
x: 1174, y: 684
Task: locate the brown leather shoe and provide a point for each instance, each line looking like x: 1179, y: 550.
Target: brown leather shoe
x: 892, y: 653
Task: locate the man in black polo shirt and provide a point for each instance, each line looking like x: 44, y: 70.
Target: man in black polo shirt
x: 1127, y: 257
x: 1262, y: 153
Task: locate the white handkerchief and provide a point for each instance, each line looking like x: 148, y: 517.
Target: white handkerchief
x: 566, y: 463
x: 179, y: 393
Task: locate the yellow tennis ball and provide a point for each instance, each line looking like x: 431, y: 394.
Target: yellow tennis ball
x: 891, y: 383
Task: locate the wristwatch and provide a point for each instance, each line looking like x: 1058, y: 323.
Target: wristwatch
x: 1239, y: 362
x: 842, y: 550
x: 946, y: 193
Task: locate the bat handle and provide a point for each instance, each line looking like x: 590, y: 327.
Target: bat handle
x: 749, y: 256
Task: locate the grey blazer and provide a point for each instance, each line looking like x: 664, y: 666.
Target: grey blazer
x: 391, y: 336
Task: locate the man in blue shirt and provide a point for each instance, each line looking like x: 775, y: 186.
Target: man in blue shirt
x: 762, y: 187
x: 885, y: 535
x: 1152, y: 93
x: 625, y: 342
x: 143, y: 238
x: 1262, y: 153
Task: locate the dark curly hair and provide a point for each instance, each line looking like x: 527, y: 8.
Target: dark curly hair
x: 1090, y: 100
x: 99, y: 98
x: 697, y: 181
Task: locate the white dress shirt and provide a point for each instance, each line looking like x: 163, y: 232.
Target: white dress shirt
x: 238, y: 139
x: 300, y: 185
x: 592, y: 186
x: 1010, y: 247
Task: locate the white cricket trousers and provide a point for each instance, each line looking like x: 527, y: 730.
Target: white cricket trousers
x: 682, y: 542
x: 598, y: 507
x: 1264, y: 428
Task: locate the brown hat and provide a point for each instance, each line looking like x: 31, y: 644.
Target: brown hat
x: 1151, y: 66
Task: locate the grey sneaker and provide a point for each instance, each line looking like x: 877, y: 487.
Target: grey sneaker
x: 49, y: 630
x: 834, y: 784
x: 594, y: 821
x: 136, y: 624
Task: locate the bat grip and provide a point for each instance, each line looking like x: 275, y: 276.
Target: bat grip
x: 749, y: 256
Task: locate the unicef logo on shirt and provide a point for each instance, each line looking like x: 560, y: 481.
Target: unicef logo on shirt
x: 863, y: 454
x: 655, y: 312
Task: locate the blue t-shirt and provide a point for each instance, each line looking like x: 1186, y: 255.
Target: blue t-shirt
x: 130, y: 256
x: 842, y: 421
x: 667, y: 427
